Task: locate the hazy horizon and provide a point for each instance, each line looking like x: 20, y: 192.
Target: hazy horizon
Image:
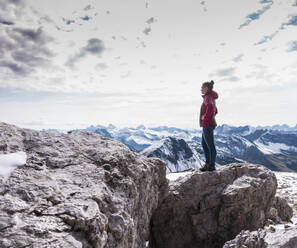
x: 36, y: 126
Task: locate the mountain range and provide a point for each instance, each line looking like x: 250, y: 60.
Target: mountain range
x: 272, y: 146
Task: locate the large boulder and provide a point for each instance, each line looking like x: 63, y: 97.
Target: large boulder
x: 208, y: 209
x: 76, y: 190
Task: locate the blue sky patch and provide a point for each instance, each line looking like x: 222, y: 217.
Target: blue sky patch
x: 266, y: 1
x: 254, y: 16
x: 68, y: 22
x: 293, y: 21
x: 86, y: 18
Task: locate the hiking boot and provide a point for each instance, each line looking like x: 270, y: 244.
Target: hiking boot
x: 205, y: 167
x: 211, y: 168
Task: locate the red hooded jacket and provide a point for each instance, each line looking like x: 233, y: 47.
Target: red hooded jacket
x: 208, y: 109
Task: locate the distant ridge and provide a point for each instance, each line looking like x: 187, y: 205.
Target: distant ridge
x: 272, y: 146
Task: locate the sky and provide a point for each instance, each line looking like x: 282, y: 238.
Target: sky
x: 74, y: 63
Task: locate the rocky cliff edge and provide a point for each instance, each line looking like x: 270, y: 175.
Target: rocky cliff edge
x: 85, y: 191
x: 76, y: 190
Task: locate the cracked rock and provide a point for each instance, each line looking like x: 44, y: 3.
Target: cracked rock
x: 76, y: 190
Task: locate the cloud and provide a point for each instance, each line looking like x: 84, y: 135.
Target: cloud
x: 80, y: 17
x: 202, y: 3
x: 46, y: 19
x: 63, y: 29
x: 225, y: 72
x: 293, y: 46
x: 292, y: 22
x: 6, y: 22
x: 238, y: 58
x: 94, y: 47
x: 266, y: 38
x: 264, y: 74
x: 28, y: 58
x: 151, y: 20
x: 147, y: 30
x: 25, y: 35
x: 15, y: 68
x: 256, y: 15
x: 231, y: 79
x: 126, y: 75
x: 24, y: 49
x: 68, y: 21
x: 101, y: 66
x: 266, y: 1
x: 88, y: 7
x: 10, y: 10
x: 141, y: 44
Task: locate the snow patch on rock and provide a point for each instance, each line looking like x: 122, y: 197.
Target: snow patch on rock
x: 274, y: 148
x: 8, y: 162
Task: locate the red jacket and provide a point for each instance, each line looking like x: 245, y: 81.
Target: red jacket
x: 208, y: 109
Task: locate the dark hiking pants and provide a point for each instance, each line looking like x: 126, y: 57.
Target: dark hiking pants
x: 208, y: 145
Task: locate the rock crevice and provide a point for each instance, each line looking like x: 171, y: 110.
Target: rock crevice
x: 208, y: 209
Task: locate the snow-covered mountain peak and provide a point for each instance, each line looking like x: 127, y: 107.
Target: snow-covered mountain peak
x: 142, y: 127
x: 110, y: 126
x: 181, y: 148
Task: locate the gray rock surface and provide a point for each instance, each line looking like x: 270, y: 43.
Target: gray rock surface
x: 247, y: 239
x: 280, y: 211
x: 287, y: 189
x: 285, y: 238
x: 76, y: 190
x: 208, y: 209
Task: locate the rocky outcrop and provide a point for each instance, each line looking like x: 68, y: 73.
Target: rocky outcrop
x: 208, y: 209
x: 248, y: 239
x: 285, y: 238
x: 280, y: 211
x: 76, y: 190
x: 83, y: 190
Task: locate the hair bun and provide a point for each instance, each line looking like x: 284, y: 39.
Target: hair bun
x: 212, y: 82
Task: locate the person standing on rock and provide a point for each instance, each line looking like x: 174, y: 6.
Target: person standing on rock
x: 208, y: 123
